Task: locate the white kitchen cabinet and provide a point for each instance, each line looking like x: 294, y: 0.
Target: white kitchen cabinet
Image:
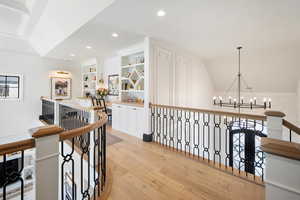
x: 116, y: 117
x: 128, y: 119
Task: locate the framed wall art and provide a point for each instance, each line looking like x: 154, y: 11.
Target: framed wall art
x: 61, y: 88
x: 113, y: 85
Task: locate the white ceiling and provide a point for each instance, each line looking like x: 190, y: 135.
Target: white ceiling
x: 269, y: 30
x: 18, y: 17
x: 10, y: 21
x: 210, y: 28
x: 99, y: 37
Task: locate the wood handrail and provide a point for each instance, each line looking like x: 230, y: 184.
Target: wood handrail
x: 282, y: 148
x: 17, y: 146
x: 44, y: 131
x: 291, y: 126
x: 51, y: 130
x: 217, y: 112
x: 274, y: 113
x: 83, y: 130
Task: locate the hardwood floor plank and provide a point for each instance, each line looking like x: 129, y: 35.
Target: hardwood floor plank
x: 146, y: 171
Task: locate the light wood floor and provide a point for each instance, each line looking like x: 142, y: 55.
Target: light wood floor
x: 144, y: 171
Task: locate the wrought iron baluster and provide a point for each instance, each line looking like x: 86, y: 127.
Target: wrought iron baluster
x: 259, y: 161
x: 153, y: 122
x: 239, y: 147
x: 13, y: 176
x: 179, y: 129
x: 227, y: 139
x: 217, y: 131
x: 196, y: 134
x: 158, y: 113
x: 206, y: 143
x: 103, y: 165
x: 96, y: 162
x: 85, y: 151
x: 187, y: 131
x: 67, y: 157
x: 171, y: 128
x: 165, y: 126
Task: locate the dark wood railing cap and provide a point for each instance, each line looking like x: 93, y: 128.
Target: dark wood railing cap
x: 291, y: 126
x: 44, y: 131
x: 17, y: 146
x: 281, y: 148
x: 274, y: 113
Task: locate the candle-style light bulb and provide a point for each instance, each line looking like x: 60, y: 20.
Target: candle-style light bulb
x: 220, y: 100
x: 265, y: 103
x: 242, y: 100
x: 251, y: 103
x: 254, y: 100
x: 234, y: 103
x: 230, y: 98
x: 214, y: 99
x: 270, y: 100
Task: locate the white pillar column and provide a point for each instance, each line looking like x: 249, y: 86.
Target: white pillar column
x: 56, y: 112
x: 282, y: 178
x: 47, y: 162
x: 274, y: 121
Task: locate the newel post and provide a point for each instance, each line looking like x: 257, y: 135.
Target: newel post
x: 47, y: 162
x: 282, y: 172
x: 274, y: 121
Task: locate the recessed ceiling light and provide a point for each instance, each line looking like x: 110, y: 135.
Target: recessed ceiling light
x: 88, y: 47
x: 115, y: 35
x: 161, y: 13
x: 72, y: 55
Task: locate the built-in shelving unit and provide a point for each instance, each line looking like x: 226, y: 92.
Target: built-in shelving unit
x: 89, y: 79
x: 132, y: 77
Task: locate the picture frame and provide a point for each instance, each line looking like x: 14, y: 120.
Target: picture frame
x: 113, y: 85
x: 61, y: 88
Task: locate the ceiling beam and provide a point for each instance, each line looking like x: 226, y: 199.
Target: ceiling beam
x: 15, y: 6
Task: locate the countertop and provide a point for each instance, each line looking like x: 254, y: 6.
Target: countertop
x: 75, y: 103
x: 141, y: 105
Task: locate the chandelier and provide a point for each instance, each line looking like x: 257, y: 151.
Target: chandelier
x: 239, y: 101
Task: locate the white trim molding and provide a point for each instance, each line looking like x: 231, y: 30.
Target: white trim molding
x: 283, y: 187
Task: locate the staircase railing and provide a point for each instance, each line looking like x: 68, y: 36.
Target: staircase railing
x: 293, y: 130
x: 69, y: 164
x: 225, y: 140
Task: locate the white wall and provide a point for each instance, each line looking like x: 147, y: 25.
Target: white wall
x: 178, y: 77
x: 276, y: 70
x: 298, y: 102
x: 17, y: 116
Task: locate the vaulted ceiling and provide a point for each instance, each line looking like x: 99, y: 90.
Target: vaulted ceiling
x: 269, y: 30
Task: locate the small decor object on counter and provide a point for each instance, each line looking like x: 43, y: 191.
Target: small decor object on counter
x: 60, y: 88
x: 102, y: 92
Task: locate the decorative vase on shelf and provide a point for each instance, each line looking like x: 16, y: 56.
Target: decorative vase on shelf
x: 102, y: 92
